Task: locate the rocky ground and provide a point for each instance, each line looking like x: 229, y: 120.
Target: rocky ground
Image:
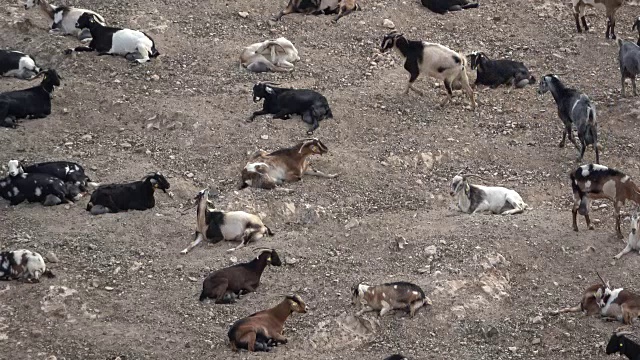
x: 122, y: 289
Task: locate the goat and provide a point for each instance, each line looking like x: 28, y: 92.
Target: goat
x: 320, y: 7
x: 619, y: 304
x: 594, y: 181
x: 636, y: 26
x: 18, y: 64
x: 494, y: 73
x: 396, y: 357
x: 443, y: 6
x: 434, y: 60
x: 588, y: 304
x: 262, y: 330
x: 311, y: 105
x: 216, y: 225
x: 137, y: 195
x: 633, y: 244
x: 389, y: 296
x: 23, y: 265
x: 66, y: 171
x: 611, y: 7
x: 620, y: 342
x: 134, y: 45
x: 270, y: 55
x: 33, y: 187
x: 225, y: 284
x: 574, y: 108
x: 268, y: 170
x: 473, y: 198
x: 32, y: 103
x: 629, y: 60
x: 65, y: 18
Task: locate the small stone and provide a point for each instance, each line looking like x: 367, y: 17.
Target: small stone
x: 92, y: 247
x: 108, y: 288
x: 535, y: 341
x: 155, y: 77
x: 271, y: 22
x: 431, y: 250
x: 264, y: 137
x: 95, y: 283
x: 243, y: 14
x: 51, y: 257
x: 536, y: 320
x: 388, y: 24
x: 117, y: 81
x: 180, y: 267
x: 136, y: 266
x: 189, y: 174
x: 351, y: 224
x: 117, y: 270
x: 125, y: 145
x: 192, y: 279
x: 65, y: 110
x: 86, y: 137
x: 52, y: 357
x: 289, y: 260
x: 69, y: 143
x: 513, y: 349
x: 233, y: 259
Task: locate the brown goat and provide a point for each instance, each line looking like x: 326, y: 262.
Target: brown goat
x: 611, y: 7
x: 319, y: 7
x: 389, y: 296
x: 588, y: 304
x: 268, y: 170
x: 262, y: 330
x: 619, y: 304
x: 595, y: 181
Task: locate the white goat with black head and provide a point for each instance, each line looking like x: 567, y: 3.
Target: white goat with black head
x: 270, y: 55
x: 65, y: 18
x: 477, y: 198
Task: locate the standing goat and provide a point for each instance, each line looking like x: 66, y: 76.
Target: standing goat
x: 23, y: 265
x: 138, y: 195
x: 320, y: 7
x: 574, y: 108
x: 433, y: 60
x: 270, y: 55
x: 494, y: 73
x: 477, y: 198
x: 18, y: 64
x: 625, y: 343
x: 629, y: 60
x: 262, y: 330
x: 225, y: 284
x: 594, y: 181
x: 611, y: 7
x: 633, y: 243
x: 65, y: 18
x: 389, y: 296
x: 268, y: 170
x: 216, y: 225
x: 443, y: 6
x: 32, y: 103
x: 134, y: 45
x: 636, y: 26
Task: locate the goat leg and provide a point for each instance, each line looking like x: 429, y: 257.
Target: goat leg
x: 574, y: 213
x: 279, y: 338
x: 78, y: 49
x: 283, y: 114
x: 257, y: 113
x: 625, y: 251
x: 365, y: 309
x: 572, y: 138
x: 386, y: 307
x: 564, y: 139
x: 572, y: 309
x: 581, y: 151
x: 633, y: 83
x: 616, y: 208
x: 194, y: 243
x: 313, y: 172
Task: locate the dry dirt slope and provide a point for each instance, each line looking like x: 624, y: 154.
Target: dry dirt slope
x: 489, y: 276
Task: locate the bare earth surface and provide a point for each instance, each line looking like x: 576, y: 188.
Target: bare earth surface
x: 123, y: 289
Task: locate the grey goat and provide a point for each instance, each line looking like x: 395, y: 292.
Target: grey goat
x: 629, y: 58
x: 574, y: 108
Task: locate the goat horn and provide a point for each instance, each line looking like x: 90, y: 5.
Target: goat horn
x: 601, y: 279
x: 474, y: 175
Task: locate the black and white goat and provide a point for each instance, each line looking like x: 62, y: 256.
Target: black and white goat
x: 574, y: 108
x: 311, y: 105
x: 625, y: 343
x: 629, y: 61
x: 216, y: 225
x: 65, y: 18
x: 23, y: 265
x: 494, y: 73
x: 138, y: 195
x: 34, y: 187
x: 443, y: 6
x: 18, y: 64
x: 134, y: 45
x: 477, y: 198
x: 320, y: 7
x: 433, y: 60
x: 389, y: 296
x: 66, y: 171
x: 32, y: 103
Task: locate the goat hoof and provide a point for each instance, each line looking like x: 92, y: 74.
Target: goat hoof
x: 68, y: 51
x: 591, y: 227
x: 575, y: 229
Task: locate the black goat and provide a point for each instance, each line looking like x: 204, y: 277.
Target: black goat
x: 66, y: 171
x: 494, y: 73
x: 444, y: 6
x: 574, y: 108
x: 33, y: 187
x: 620, y: 343
x: 137, y: 195
x: 636, y: 26
x: 224, y: 284
x: 311, y: 105
x: 17, y: 64
x: 396, y: 357
x: 32, y: 103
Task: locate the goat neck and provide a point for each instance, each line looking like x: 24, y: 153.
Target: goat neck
x: 201, y: 216
x: 281, y: 312
x: 404, y: 46
x: 558, y: 89
x: 260, y: 263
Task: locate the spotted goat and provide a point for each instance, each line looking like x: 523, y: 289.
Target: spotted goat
x: 23, y: 265
x: 18, y: 64
x: 389, y: 296
x: 49, y: 190
x: 320, y: 7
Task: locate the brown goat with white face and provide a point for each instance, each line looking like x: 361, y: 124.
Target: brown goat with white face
x: 268, y: 170
x: 588, y: 304
x: 389, y: 296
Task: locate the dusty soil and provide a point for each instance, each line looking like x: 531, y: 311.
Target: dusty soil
x: 123, y: 289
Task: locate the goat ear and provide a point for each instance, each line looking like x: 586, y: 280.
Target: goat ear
x: 466, y: 188
x: 598, y: 293
x: 268, y: 89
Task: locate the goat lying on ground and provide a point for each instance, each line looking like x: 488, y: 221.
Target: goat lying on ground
x: 477, y: 198
x: 396, y: 357
x: 226, y: 284
x: 134, y: 45
x: 216, y: 225
x: 65, y: 18
x: 594, y: 181
x: 67, y: 171
x: 320, y: 7
x: 574, y: 108
x: 629, y: 61
x: 33, y: 187
x: 588, y: 304
x: 389, y: 296
x: 619, y: 304
x: 444, y: 6
x: 494, y: 73
x: 268, y: 170
x: 23, y: 265
x: 137, y: 195
x: 311, y: 105
x: 270, y: 55
x: 433, y: 60
x: 625, y: 343
x: 18, y: 64
x: 633, y: 244
x: 262, y: 330
x: 32, y: 103
x: 611, y: 7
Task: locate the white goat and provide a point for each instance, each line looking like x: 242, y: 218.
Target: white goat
x: 270, y: 55
x: 65, y: 18
x: 633, y: 244
x: 477, y: 198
